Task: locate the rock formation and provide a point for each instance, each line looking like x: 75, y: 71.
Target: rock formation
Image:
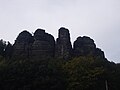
x: 85, y: 46
x: 63, y: 44
x: 44, y: 45
x: 99, y: 53
x: 39, y: 46
x: 22, y: 45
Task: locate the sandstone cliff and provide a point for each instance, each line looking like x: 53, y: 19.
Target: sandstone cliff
x: 42, y: 45
x: 85, y: 46
x: 63, y: 44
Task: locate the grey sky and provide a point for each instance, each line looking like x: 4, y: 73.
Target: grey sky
x: 99, y: 19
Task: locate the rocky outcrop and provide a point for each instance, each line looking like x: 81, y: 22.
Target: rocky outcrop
x: 63, y: 44
x: 85, y: 46
x: 22, y: 45
x: 44, y: 45
x: 99, y: 53
x: 39, y: 46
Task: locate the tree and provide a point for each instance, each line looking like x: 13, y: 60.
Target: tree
x: 2, y: 47
x: 8, y: 50
x: 83, y: 74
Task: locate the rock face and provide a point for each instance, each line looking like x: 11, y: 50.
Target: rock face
x: 85, y: 46
x: 39, y: 46
x: 63, y: 44
x: 22, y: 45
x: 99, y: 53
x: 44, y: 45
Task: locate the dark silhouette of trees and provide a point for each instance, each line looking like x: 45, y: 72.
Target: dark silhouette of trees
x: 2, y: 47
x: 8, y: 50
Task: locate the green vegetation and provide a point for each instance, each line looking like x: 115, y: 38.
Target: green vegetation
x: 81, y: 73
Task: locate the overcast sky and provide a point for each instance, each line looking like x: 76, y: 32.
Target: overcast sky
x: 99, y: 19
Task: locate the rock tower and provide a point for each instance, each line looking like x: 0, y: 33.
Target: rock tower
x: 63, y: 44
x: 42, y: 45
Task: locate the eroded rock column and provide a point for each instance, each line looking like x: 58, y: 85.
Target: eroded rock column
x: 63, y: 44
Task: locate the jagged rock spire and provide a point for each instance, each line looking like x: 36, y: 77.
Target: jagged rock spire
x: 63, y: 44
